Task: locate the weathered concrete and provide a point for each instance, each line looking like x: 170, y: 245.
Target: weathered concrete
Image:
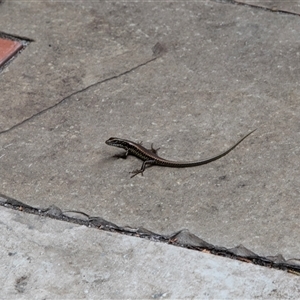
x: 45, y: 258
x: 228, y: 69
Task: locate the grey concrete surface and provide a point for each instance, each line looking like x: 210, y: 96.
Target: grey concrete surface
x: 49, y: 259
x: 227, y: 70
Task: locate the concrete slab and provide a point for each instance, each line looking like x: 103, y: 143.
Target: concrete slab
x: 62, y: 56
x: 91, y: 74
x: 46, y: 258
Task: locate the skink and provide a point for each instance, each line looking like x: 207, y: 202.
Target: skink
x: 150, y: 157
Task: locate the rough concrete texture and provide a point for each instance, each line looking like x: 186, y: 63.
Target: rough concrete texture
x: 227, y: 69
x: 49, y: 259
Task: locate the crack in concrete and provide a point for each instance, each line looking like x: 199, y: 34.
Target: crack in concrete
x: 182, y: 238
x: 75, y: 93
x: 258, y: 6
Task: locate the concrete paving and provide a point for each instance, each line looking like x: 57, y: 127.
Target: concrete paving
x: 90, y: 74
x: 50, y: 259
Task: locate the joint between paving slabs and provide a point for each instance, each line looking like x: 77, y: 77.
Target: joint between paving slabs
x: 182, y: 238
x: 75, y: 93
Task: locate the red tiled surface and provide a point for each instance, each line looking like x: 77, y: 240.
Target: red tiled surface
x: 8, y: 48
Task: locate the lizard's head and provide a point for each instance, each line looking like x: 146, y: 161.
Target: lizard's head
x: 117, y: 142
